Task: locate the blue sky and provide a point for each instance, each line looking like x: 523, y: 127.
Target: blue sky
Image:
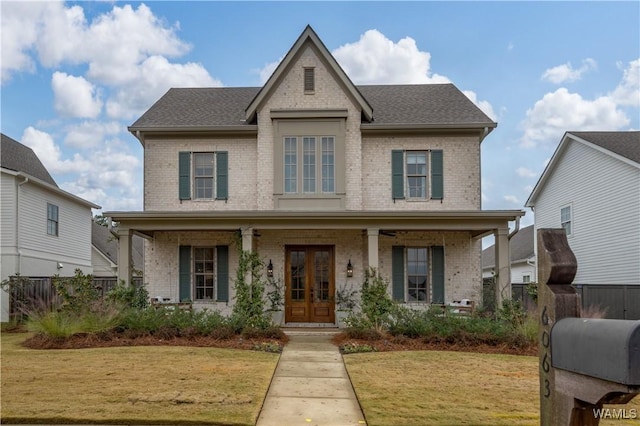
x: 76, y: 74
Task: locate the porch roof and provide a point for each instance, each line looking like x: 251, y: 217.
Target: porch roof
x: 478, y: 222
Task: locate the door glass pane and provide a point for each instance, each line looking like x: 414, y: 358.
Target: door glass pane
x: 321, y: 289
x: 297, y: 275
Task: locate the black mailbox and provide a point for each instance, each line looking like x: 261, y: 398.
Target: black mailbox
x: 603, y: 348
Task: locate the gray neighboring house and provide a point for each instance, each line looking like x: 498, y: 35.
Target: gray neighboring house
x: 104, y: 252
x: 523, y: 267
x: 45, y: 230
x: 591, y: 187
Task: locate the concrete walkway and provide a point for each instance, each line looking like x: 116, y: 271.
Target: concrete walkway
x: 310, y: 385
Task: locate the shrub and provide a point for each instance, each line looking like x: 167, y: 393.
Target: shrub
x: 377, y: 307
x: 131, y: 296
x: 98, y: 318
x: 78, y: 292
x: 249, y: 307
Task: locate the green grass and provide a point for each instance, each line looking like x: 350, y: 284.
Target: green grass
x: 132, y: 385
x: 450, y: 388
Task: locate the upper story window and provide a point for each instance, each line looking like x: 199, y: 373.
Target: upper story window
x: 203, y: 175
x: 52, y: 219
x: 309, y: 164
x: 565, y: 219
x: 417, y: 175
x: 309, y: 80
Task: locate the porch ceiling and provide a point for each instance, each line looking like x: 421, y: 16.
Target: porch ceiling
x: 477, y: 222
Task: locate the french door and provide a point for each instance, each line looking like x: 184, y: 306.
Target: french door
x: 309, y: 284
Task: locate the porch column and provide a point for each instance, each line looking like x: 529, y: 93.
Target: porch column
x: 124, y: 256
x: 247, y: 245
x: 503, y: 266
x: 372, y: 247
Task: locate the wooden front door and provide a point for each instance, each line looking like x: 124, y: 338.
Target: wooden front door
x: 309, y: 284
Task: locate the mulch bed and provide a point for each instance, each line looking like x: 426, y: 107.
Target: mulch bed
x: 383, y: 344
x: 402, y: 343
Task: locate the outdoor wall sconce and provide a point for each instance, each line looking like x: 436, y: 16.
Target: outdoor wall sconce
x: 270, y: 269
x: 349, y: 269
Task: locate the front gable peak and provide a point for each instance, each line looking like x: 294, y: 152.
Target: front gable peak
x: 308, y: 36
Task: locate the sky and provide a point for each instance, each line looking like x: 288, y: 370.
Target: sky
x: 74, y: 75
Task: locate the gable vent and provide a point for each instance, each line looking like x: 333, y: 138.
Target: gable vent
x: 309, y: 79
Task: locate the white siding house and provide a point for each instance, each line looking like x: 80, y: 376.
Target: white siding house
x: 591, y: 187
x: 523, y: 267
x: 44, y: 230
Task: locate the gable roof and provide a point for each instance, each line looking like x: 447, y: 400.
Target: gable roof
x: 521, y: 247
x: 384, y: 107
x: 624, y: 146
x: 308, y: 36
x: 20, y: 158
x: 106, y: 243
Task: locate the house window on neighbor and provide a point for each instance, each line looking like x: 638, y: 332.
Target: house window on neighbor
x: 309, y: 80
x: 317, y: 155
x: 416, y: 169
x: 203, y: 174
x: 52, y: 219
x: 204, y: 272
x: 526, y: 279
x: 417, y: 268
x: 565, y: 219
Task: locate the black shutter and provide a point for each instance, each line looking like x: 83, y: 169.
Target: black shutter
x: 184, y: 273
x: 184, y: 175
x: 397, y: 273
x: 397, y: 174
x: 437, y: 175
x: 222, y: 175
x: 222, y: 263
x: 437, y: 274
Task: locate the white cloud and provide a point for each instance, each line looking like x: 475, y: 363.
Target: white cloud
x: 155, y: 76
x: 75, y: 96
x: 90, y: 134
x: 566, y: 73
x: 267, y: 70
x: 511, y: 199
x: 628, y: 91
x: 50, y: 154
x: 19, y: 22
x: 526, y: 173
x: 374, y: 59
x: 485, y: 106
x: 562, y: 111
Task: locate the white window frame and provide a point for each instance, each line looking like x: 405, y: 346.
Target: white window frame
x: 566, y: 221
x: 314, y: 172
x: 212, y: 274
x: 407, y: 175
x: 53, y: 221
x: 196, y: 177
x: 427, y: 281
x: 526, y: 279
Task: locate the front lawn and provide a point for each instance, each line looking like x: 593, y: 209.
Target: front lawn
x: 133, y: 385
x: 452, y: 388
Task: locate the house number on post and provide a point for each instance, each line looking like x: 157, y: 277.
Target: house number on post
x: 545, y: 344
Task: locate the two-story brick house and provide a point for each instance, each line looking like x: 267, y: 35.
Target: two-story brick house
x: 315, y: 174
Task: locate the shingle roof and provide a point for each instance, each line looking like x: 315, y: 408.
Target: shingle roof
x: 521, y: 246
x: 420, y: 104
x: 20, y: 158
x: 105, y: 242
x: 626, y: 144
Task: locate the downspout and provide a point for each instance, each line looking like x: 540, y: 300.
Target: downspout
x: 517, y: 228
x: 18, y: 250
x: 484, y: 134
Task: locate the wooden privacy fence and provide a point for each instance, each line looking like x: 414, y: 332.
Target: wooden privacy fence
x: 618, y: 301
x: 39, y: 293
